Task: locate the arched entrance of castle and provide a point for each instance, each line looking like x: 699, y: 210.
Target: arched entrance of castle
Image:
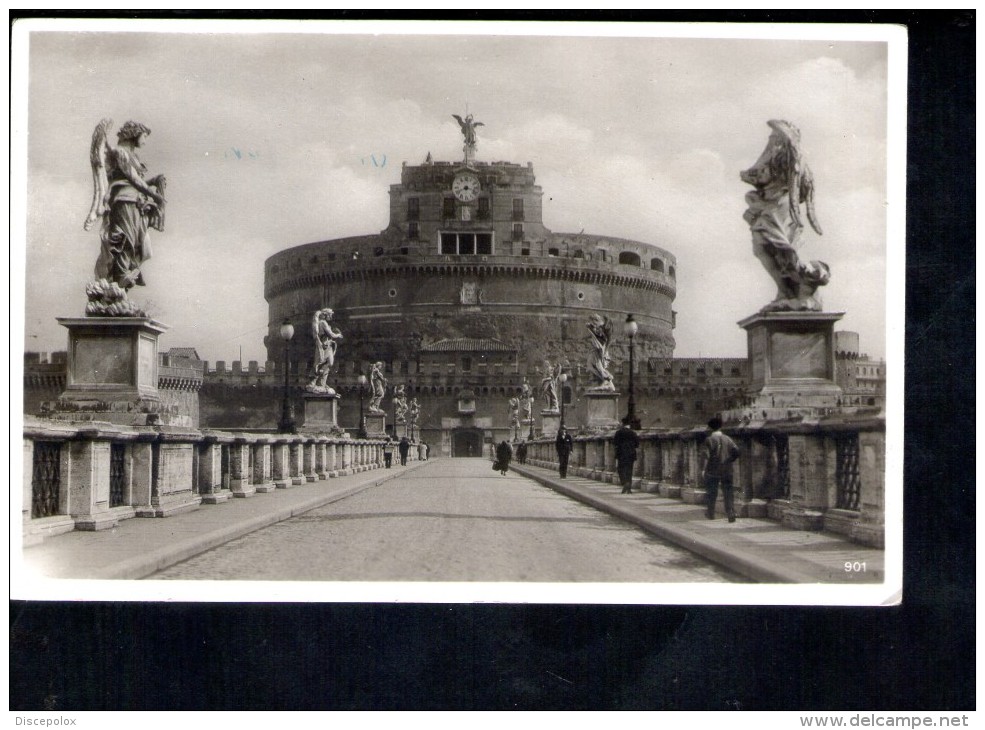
x: 466, y: 442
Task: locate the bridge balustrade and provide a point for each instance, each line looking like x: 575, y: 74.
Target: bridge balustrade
x: 824, y: 474
x: 92, y: 475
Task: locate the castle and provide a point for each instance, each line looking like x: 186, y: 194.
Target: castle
x: 463, y: 297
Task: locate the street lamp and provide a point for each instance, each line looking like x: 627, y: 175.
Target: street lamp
x: 562, y: 379
x: 362, y: 419
x: 287, y: 424
x: 530, y: 437
x: 629, y: 328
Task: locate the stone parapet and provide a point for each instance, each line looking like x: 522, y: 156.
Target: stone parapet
x: 822, y: 473
x: 90, y: 475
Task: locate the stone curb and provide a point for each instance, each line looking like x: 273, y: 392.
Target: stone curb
x: 149, y: 563
x: 747, y: 565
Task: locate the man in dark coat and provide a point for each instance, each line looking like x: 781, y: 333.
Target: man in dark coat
x: 719, y: 453
x: 626, y: 442
x: 403, y: 447
x: 563, y: 444
x: 504, y: 455
x: 521, y: 452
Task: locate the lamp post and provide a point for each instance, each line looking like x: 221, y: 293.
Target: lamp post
x: 629, y: 329
x: 530, y: 437
x: 287, y: 424
x: 362, y: 419
x: 562, y: 379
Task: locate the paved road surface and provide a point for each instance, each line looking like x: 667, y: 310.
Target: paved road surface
x: 452, y: 520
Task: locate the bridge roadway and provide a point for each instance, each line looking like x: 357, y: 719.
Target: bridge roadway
x: 458, y: 520
x: 452, y: 520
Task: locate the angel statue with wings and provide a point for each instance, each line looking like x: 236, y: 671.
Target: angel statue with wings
x: 598, y: 359
x: 326, y: 344
x: 127, y: 202
x: 468, y: 126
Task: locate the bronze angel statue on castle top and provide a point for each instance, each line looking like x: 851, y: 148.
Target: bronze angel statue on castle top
x: 129, y: 204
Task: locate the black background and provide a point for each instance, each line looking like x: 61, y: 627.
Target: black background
x: 919, y: 655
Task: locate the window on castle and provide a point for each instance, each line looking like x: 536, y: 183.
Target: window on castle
x: 678, y: 406
x: 524, y: 251
x: 518, y: 209
x: 466, y: 243
x: 483, y: 210
x: 413, y: 209
x: 629, y: 258
x: 657, y: 265
x: 466, y: 364
x: 736, y: 372
x: 699, y: 406
x: 553, y: 252
x: 517, y: 231
x: 413, y: 230
x: 717, y: 371
x: 603, y: 254
x: 448, y: 208
x: 672, y: 272
x: 403, y: 368
x: 578, y: 254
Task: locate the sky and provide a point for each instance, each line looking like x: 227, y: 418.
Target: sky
x: 271, y: 140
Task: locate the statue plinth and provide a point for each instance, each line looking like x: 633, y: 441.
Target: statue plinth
x: 113, y: 372
x: 602, y: 409
x: 550, y: 423
x: 791, y: 363
x: 321, y: 412
x: 375, y: 424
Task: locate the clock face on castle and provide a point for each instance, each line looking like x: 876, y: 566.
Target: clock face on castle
x: 465, y: 187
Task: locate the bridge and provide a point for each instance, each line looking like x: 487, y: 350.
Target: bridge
x: 455, y: 520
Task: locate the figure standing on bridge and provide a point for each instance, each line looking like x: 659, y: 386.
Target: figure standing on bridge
x: 625, y: 442
x: 504, y: 455
x: 719, y: 452
x: 563, y: 445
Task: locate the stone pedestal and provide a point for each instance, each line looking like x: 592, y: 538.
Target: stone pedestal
x: 602, y: 410
x: 375, y: 424
x: 791, y: 359
x: 321, y: 412
x: 112, y: 372
x: 550, y: 423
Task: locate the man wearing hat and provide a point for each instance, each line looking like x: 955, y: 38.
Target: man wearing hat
x: 720, y: 452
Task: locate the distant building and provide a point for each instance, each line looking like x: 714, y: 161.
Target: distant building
x: 862, y: 379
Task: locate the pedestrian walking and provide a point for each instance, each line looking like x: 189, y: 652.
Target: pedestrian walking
x: 504, y: 455
x: 521, y: 452
x: 403, y: 447
x: 388, y: 452
x: 625, y: 442
x: 427, y: 450
x: 720, y: 452
x: 563, y: 444
x: 420, y: 451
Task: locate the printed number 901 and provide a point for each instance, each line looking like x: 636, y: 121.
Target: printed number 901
x: 855, y: 567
